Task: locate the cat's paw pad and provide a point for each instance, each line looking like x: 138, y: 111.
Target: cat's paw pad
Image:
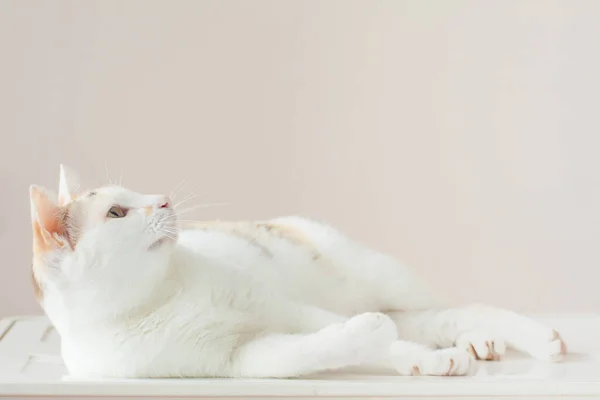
x: 552, y: 350
x: 481, y: 345
x: 445, y: 362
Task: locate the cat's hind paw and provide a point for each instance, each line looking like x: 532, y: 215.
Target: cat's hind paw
x: 481, y: 345
x: 553, y: 350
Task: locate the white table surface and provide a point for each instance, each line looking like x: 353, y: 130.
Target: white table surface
x: 30, y: 366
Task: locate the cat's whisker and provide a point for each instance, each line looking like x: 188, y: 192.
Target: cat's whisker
x: 180, y: 187
x: 189, y: 198
x: 191, y: 195
x: 199, y: 206
x: 110, y: 181
x: 169, y: 233
x: 177, y: 189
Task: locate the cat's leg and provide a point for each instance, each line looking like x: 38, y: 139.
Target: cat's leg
x: 483, y: 330
x: 358, y: 340
x: 373, y: 281
x: 405, y: 358
x: 364, y: 279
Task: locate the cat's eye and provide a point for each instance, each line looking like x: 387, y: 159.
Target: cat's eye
x: 116, y: 212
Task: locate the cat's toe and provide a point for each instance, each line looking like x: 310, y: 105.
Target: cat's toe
x: 481, y: 345
x: 445, y: 362
x: 448, y: 362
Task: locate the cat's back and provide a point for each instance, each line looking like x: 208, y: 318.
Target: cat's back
x: 283, y: 244
x: 303, y: 259
x: 272, y: 253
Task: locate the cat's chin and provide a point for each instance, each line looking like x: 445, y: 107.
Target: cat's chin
x: 163, y: 241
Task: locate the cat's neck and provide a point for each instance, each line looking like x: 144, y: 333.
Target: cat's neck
x: 97, y: 302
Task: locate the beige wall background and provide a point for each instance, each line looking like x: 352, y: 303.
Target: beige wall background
x: 461, y: 136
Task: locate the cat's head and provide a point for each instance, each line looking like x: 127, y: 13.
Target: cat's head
x: 98, y: 246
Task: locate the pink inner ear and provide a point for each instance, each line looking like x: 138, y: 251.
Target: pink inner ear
x: 62, y: 200
x: 49, y: 227
x: 48, y: 213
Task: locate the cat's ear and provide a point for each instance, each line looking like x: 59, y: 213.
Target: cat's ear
x: 68, y: 185
x: 48, y: 221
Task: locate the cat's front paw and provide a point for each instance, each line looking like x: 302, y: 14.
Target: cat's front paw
x: 444, y: 362
x: 370, y: 334
x: 372, y: 323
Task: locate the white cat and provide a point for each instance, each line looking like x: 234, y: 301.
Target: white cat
x: 132, y: 295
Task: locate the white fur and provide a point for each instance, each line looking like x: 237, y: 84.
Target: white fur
x: 281, y: 298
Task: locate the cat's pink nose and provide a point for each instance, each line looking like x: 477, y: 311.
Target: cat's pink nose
x: 166, y: 203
